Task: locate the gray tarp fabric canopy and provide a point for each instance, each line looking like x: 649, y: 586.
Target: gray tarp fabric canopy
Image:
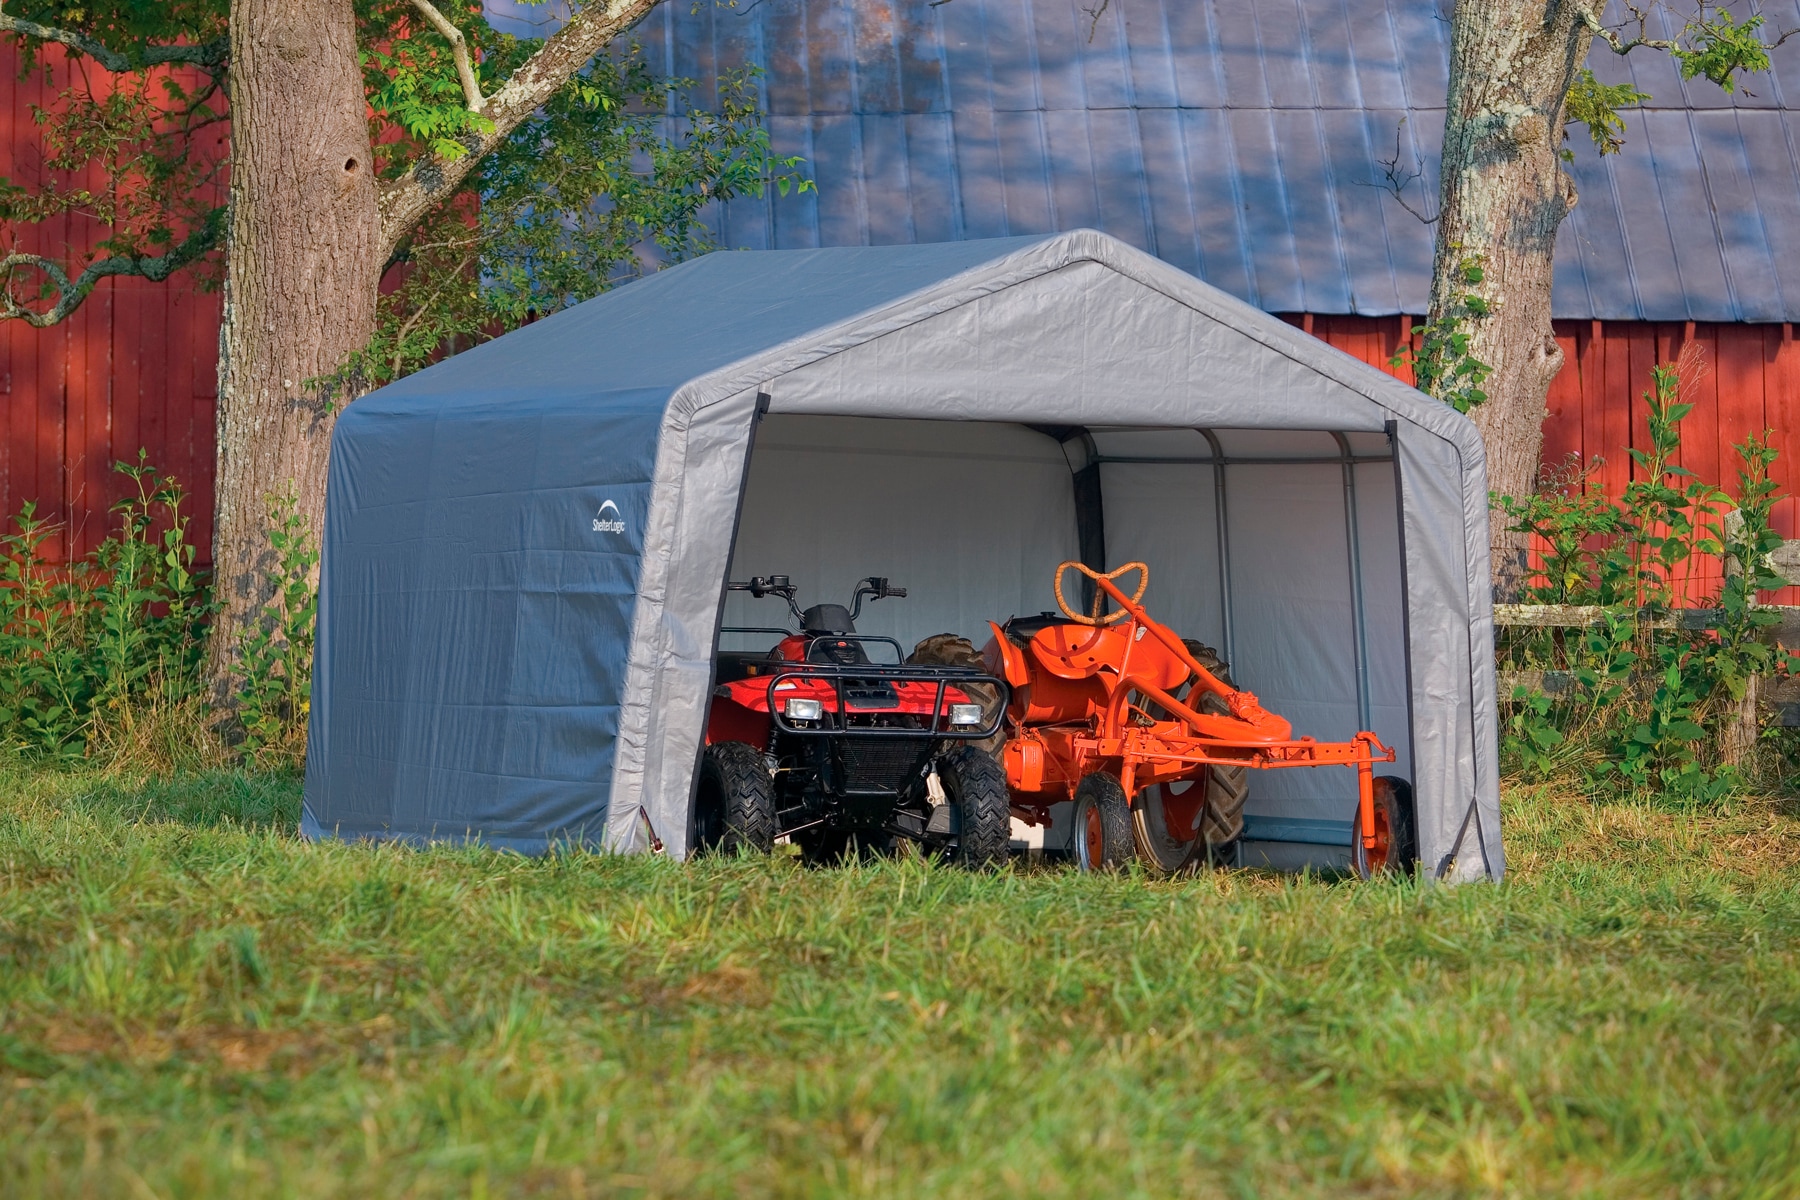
x: 526, y: 546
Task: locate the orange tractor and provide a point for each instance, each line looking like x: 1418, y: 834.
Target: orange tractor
x: 1117, y: 713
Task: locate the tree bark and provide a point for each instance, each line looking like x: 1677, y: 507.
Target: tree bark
x: 1504, y: 194
x: 309, y: 234
x: 304, y: 259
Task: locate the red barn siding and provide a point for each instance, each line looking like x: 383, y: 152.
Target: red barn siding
x: 1750, y: 383
x: 133, y: 368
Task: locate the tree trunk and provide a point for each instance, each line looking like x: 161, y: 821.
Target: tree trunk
x: 303, y: 265
x: 1504, y: 195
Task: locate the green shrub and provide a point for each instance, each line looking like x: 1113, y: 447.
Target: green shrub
x: 90, y: 650
x: 1644, y: 703
x: 105, y: 657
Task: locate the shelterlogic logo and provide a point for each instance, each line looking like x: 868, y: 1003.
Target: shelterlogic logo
x: 608, y: 519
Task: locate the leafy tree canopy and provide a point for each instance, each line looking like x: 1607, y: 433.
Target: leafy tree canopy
x: 612, y: 174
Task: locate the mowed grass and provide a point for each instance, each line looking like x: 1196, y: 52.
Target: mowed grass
x: 194, y: 1002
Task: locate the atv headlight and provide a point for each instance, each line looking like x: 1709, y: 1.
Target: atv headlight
x: 966, y: 716
x: 803, y: 710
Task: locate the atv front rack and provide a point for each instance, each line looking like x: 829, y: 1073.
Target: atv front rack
x: 850, y: 678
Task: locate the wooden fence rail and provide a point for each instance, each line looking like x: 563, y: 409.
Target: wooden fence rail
x: 1781, y: 696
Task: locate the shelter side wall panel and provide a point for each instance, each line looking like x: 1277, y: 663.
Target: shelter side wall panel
x: 1294, y: 636
x: 480, y: 576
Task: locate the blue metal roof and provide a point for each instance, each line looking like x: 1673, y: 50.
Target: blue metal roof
x: 1241, y: 140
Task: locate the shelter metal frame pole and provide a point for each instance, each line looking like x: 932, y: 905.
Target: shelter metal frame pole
x: 1090, y: 498
x: 1219, y: 462
x: 1353, y: 544
x: 1090, y: 512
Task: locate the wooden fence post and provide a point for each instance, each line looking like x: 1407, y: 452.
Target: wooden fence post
x: 1738, y: 738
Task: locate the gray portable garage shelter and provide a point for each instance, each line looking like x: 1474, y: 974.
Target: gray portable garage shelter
x: 526, y: 546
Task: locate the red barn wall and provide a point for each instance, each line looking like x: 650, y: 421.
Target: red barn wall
x: 134, y: 367
x: 1749, y: 383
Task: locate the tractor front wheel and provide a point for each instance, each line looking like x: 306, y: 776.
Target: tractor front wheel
x: 1396, y: 848
x: 1102, y: 837
x: 734, y: 806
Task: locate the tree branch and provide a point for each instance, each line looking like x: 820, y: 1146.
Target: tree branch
x: 1395, y: 181
x: 1624, y: 45
x: 200, y: 54
x: 71, y: 292
x: 459, y: 50
x: 404, y: 200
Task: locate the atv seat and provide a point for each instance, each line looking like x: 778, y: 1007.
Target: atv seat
x: 1020, y: 630
x: 733, y: 665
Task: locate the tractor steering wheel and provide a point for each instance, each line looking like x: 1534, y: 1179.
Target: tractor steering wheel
x: 1112, y: 618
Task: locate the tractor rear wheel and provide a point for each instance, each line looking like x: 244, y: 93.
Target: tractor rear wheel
x: 949, y: 650
x: 975, y: 786
x: 1222, y: 820
x: 1177, y: 825
x: 1102, y: 837
x: 1396, y: 848
x: 734, y: 806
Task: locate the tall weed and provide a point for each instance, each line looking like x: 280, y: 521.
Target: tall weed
x: 102, y: 656
x: 275, y: 659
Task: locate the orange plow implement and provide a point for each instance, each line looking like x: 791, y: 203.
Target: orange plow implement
x: 1117, y: 713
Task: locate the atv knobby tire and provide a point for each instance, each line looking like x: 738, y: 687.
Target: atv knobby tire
x: 1102, y: 838
x: 976, y: 786
x: 734, y: 806
x: 949, y: 650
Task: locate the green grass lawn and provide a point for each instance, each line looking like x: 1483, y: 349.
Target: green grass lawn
x: 194, y: 1002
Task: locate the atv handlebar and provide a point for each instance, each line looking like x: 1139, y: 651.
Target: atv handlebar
x: 875, y: 587
x: 762, y: 586
x: 765, y: 585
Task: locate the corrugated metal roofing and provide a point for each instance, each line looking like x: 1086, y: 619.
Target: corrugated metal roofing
x: 1242, y: 140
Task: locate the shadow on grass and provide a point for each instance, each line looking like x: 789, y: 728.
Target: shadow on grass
x: 202, y: 799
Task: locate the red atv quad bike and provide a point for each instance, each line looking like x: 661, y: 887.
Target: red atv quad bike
x: 1119, y: 714
x: 816, y: 741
